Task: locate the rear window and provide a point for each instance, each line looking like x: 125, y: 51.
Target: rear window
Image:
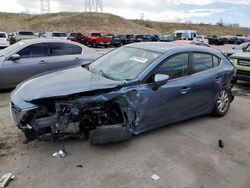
x: 96, y: 34
x: 26, y: 33
x: 204, y: 62
x: 59, y: 35
x: 2, y: 35
x: 58, y: 49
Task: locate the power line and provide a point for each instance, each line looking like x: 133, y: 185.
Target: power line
x: 93, y: 6
x: 45, y: 6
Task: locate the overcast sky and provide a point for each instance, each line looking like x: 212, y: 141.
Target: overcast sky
x: 207, y: 11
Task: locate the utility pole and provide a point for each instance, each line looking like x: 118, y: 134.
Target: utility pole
x: 93, y: 6
x: 45, y: 6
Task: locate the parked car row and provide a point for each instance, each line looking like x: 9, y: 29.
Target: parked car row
x: 96, y: 39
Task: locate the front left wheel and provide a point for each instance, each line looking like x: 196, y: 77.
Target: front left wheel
x: 222, y: 102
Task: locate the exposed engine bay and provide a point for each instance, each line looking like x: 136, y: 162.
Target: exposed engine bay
x: 75, y: 116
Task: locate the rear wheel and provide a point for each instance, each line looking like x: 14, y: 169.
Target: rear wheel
x: 222, y: 103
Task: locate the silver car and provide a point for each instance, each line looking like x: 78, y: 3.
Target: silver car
x: 31, y: 57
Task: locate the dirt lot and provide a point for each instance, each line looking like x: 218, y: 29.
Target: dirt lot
x: 183, y: 155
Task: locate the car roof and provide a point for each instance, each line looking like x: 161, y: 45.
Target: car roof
x: 163, y: 47
x: 39, y: 40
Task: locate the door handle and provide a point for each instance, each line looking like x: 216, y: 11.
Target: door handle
x: 77, y: 58
x: 185, y: 90
x: 42, y: 62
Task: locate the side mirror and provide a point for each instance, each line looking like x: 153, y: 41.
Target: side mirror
x: 160, y: 79
x: 15, y: 57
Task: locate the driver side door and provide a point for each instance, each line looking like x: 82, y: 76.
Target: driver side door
x: 33, y: 60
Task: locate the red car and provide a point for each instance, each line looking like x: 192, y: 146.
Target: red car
x: 97, y: 39
x: 76, y: 37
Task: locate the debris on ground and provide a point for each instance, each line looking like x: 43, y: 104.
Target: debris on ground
x: 60, y: 154
x: 5, y: 179
x: 79, y: 166
x: 155, y: 177
x: 221, y: 144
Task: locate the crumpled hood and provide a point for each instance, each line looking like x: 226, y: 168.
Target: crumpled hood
x: 62, y: 83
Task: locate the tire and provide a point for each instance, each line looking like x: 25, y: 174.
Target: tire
x: 94, y: 44
x: 109, y: 134
x: 222, y: 103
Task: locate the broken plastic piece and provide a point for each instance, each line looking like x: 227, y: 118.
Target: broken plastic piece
x: 155, y: 177
x: 60, y: 154
x: 5, y: 179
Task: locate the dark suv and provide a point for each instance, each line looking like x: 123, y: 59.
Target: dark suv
x: 76, y: 37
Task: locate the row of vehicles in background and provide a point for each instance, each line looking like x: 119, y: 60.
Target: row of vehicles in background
x: 96, y: 39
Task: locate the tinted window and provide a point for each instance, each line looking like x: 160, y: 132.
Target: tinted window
x: 77, y: 49
x: 59, y: 35
x: 26, y: 33
x: 35, y: 50
x: 80, y: 35
x: 73, y: 35
x: 2, y: 35
x: 202, y: 62
x: 175, y: 67
x: 64, y: 49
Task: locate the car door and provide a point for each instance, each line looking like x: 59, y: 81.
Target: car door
x: 33, y: 60
x: 64, y: 55
x: 207, y: 80
x: 170, y: 102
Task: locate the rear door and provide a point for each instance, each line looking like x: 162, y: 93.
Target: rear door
x: 208, y: 79
x: 34, y: 60
x: 64, y: 55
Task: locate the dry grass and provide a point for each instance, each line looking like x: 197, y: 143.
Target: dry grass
x: 107, y: 23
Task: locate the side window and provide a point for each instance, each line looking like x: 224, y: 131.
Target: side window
x: 76, y: 49
x: 202, y: 62
x: 175, y: 67
x: 58, y: 49
x: 216, y: 61
x: 35, y: 50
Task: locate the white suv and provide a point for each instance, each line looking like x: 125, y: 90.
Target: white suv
x: 3, y: 40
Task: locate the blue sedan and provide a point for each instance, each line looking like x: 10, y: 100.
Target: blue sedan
x: 128, y: 91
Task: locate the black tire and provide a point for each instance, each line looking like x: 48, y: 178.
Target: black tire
x: 94, y: 44
x: 222, y: 103
x: 109, y: 134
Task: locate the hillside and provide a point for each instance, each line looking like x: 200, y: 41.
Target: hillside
x: 107, y: 23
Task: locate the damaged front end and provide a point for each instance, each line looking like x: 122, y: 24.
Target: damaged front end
x: 78, y: 115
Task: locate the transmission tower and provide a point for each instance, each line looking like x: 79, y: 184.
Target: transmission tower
x: 45, y: 6
x: 93, y: 5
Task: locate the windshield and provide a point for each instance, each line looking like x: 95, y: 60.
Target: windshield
x: 26, y: 33
x: 12, y: 48
x: 2, y: 35
x: 96, y: 34
x: 125, y: 63
x: 59, y: 35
